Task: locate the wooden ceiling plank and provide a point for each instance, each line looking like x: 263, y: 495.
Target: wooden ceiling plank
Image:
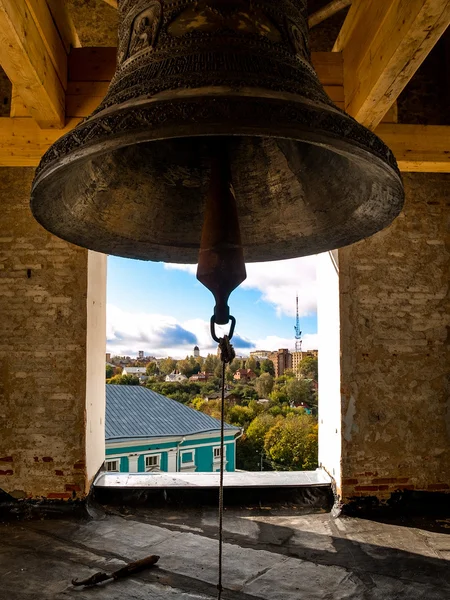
x: 50, y: 36
x: 64, y: 23
x: 418, y: 148
x: 383, y: 44
x: 18, y: 108
x: 28, y: 65
x: 327, y: 11
x: 23, y: 142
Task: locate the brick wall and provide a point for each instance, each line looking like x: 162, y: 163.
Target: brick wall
x: 43, y: 298
x: 395, y: 344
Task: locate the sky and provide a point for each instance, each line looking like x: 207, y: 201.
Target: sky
x: 163, y: 310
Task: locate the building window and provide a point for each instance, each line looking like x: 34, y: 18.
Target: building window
x: 153, y: 462
x: 112, y: 466
x: 187, y: 460
x: 217, y: 453
x: 187, y: 457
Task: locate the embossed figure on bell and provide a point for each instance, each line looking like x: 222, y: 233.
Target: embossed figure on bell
x: 132, y: 180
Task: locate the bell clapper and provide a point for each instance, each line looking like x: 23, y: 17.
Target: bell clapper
x: 221, y: 268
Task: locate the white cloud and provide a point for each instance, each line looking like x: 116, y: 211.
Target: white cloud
x: 163, y: 335
x: 279, y: 282
x: 310, y: 341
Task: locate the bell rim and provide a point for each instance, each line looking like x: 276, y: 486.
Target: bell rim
x: 350, y: 147
x: 319, y: 121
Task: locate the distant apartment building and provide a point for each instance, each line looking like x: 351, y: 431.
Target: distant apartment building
x: 260, y: 354
x: 141, y: 354
x: 108, y: 357
x: 282, y: 361
x: 297, y: 357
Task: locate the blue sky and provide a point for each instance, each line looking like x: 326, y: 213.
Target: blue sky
x: 163, y: 310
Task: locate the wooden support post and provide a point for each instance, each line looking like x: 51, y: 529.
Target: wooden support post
x: 34, y: 59
x: 64, y: 23
x: 418, y: 148
x: 384, y: 42
x: 327, y: 11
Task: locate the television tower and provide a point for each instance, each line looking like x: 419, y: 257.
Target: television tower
x: 298, y: 333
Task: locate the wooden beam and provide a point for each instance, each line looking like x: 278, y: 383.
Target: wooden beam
x: 329, y: 10
x: 64, y: 23
x: 26, y: 50
x: 23, y: 142
x: 49, y: 34
x: 418, y: 148
x: 112, y: 3
x: 384, y: 42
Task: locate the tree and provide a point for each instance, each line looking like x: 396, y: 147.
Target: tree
x: 289, y: 374
x: 250, y: 363
x: 309, y: 368
x: 239, y: 415
x: 185, y: 367
x: 196, y: 364
x: 124, y: 380
x: 278, y: 395
x: 267, y: 366
x: 298, y: 390
x: 258, y: 428
x: 109, y: 371
x: 210, y: 363
x: 197, y: 403
x: 218, y: 370
x: 234, y: 365
x: 167, y: 365
x: 264, y: 385
x: 151, y: 369
x: 292, y: 443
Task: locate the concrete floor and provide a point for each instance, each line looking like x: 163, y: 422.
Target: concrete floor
x: 270, y: 554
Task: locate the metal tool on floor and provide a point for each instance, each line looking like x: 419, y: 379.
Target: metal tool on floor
x: 130, y: 569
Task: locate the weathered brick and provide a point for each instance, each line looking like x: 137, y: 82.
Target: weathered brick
x: 395, y: 345
x: 72, y: 488
x: 385, y: 480
x: 42, y: 359
x: 59, y: 496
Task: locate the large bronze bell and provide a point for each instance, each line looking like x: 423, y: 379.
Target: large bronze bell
x: 133, y: 178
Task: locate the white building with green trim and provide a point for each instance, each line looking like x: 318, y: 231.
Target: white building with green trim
x: 147, y: 432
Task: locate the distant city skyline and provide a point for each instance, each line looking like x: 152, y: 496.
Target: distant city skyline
x: 163, y: 310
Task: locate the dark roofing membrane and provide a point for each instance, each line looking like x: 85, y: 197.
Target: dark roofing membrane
x: 138, y: 412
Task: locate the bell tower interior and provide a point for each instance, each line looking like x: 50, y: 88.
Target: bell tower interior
x: 384, y: 301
